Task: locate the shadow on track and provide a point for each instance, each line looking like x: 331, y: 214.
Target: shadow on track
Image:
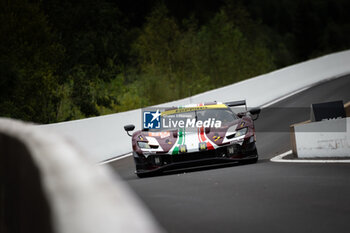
x: 196, y: 169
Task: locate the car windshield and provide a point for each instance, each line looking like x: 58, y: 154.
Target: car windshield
x: 223, y: 115
x: 173, y: 121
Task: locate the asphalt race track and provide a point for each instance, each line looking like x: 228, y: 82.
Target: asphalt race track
x: 262, y: 197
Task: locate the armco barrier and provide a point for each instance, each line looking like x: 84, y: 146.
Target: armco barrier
x: 48, y: 185
x: 105, y: 137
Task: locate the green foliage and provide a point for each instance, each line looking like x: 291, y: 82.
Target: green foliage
x: 185, y: 59
x: 63, y: 60
x: 29, y: 57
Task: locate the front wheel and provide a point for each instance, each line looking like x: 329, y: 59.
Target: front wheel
x: 148, y: 174
x: 255, y: 159
x: 141, y: 175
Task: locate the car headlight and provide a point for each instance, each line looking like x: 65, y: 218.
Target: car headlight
x: 143, y: 145
x: 241, y: 132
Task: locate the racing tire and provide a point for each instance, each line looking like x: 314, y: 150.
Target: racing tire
x: 255, y: 160
x: 252, y: 160
x: 144, y: 175
x: 141, y: 175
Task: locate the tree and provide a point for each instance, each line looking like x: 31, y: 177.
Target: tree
x: 29, y: 57
x: 178, y: 61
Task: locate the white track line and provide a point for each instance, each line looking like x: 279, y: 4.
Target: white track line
x: 115, y: 159
x: 279, y: 158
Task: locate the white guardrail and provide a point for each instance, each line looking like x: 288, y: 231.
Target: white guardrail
x: 104, y: 137
x: 48, y: 185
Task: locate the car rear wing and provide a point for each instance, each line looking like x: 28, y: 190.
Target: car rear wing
x: 237, y: 103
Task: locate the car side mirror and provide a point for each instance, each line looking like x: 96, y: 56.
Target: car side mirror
x: 255, y: 112
x: 241, y: 114
x: 129, y: 128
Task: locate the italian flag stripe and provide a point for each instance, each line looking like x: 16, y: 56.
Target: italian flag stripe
x: 181, y: 135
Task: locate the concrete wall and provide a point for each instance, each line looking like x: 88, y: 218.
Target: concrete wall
x: 347, y: 109
x: 49, y: 185
x: 330, y: 138
x: 105, y: 137
x: 320, y: 133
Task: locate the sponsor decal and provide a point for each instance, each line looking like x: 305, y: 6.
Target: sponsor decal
x: 202, y: 146
x: 191, y: 109
x: 159, y: 134
x: 178, y: 118
x: 182, y: 149
x: 151, y: 120
x: 190, y: 123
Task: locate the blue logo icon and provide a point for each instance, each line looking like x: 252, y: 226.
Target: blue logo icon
x: 151, y: 120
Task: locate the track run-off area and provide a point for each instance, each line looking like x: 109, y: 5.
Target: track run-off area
x: 262, y: 197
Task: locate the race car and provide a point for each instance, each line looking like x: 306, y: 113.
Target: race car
x: 195, y: 135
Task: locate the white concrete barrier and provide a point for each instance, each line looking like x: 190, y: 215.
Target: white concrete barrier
x: 105, y: 138
x: 83, y: 197
x: 323, y: 139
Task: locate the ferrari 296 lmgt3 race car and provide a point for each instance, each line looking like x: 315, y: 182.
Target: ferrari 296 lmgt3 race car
x: 194, y: 135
